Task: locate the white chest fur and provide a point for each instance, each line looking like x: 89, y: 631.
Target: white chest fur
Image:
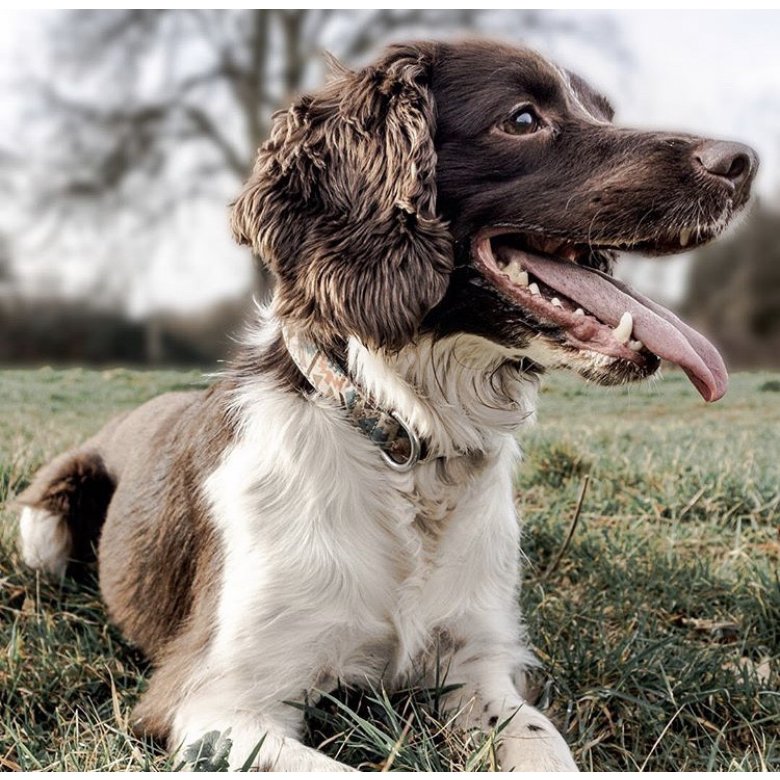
x: 336, y: 566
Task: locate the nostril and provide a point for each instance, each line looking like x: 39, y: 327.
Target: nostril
x: 739, y: 167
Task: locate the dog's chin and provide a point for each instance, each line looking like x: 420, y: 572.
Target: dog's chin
x: 588, y: 322
x: 551, y: 353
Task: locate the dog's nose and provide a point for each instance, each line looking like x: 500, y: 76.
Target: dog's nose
x: 736, y: 163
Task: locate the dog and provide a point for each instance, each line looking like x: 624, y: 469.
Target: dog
x: 442, y: 226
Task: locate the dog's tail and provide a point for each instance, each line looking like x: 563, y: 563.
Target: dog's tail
x: 63, y: 511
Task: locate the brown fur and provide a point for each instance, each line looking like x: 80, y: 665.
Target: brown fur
x: 174, y: 549
x: 342, y: 205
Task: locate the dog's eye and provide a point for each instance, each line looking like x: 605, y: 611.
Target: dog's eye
x: 524, y: 121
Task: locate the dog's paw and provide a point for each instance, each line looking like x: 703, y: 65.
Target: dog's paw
x: 530, y: 743
x: 242, y: 750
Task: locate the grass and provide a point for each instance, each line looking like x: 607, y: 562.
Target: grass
x: 659, y: 626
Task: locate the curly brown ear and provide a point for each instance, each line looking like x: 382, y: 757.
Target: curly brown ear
x: 341, y: 205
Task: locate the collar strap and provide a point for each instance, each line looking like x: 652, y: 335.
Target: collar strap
x: 399, y: 445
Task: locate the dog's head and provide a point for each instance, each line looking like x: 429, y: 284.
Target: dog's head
x: 478, y: 188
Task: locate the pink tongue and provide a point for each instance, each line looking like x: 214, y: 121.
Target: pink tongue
x: 659, y: 329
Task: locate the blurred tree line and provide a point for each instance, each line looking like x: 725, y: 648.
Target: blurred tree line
x: 56, y: 330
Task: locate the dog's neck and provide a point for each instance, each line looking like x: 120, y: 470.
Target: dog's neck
x: 460, y: 394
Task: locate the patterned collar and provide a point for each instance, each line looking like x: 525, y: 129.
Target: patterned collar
x: 399, y: 445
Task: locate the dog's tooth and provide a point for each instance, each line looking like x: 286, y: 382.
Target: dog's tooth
x: 685, y: 237
x: 534, y: 288
x: 556, y: 302
x: 635, y: 345
x: 518, y: 276
x: 579, y: 312
x: 623, y: 330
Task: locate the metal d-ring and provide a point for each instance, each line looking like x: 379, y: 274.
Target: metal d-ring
x: 414, y: 445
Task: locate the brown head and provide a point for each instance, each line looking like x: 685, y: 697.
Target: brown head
x: 478, y: 188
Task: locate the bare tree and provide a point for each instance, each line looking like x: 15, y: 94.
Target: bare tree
x: 144, y: 111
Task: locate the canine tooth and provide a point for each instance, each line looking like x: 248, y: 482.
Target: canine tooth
x: 623, y: 330
x: 579, y: 312
x: 635, y: 345
x: 685, y: 236
x: 534, y: 288
x: 556, y: 302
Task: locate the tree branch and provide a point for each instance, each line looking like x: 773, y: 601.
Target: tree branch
x: 208, y: 129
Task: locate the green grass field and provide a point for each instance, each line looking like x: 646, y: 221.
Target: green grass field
x: 659, y: 624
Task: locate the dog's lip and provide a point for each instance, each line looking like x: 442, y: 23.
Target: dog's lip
x: 683, y: 239
x: 660, y: 331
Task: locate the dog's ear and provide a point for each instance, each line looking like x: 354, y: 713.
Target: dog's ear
x: 341, y: 204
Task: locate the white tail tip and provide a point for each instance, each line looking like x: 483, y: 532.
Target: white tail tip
x: 46, y: 541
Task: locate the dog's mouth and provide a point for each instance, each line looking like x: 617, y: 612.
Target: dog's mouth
x: 586, y: 311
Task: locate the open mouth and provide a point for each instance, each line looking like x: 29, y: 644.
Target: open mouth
x: 590, y: 311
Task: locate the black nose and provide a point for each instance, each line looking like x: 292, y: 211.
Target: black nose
x: 734, y: 162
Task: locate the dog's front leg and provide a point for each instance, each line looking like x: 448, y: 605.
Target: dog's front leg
x: 487, y: 697
x: 484, y: 652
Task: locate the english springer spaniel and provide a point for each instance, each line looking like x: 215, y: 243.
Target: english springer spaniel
x: 339, y: 506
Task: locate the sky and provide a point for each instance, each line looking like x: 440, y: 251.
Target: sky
x: 714, y: 73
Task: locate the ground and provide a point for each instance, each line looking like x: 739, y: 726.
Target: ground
x: 658, y: 624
